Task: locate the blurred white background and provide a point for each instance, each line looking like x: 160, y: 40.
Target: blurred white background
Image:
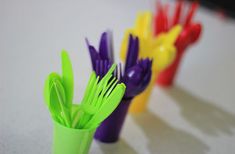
x: 196, y: 116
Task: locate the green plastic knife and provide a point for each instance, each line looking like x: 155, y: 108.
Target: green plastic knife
x: 67, y: 78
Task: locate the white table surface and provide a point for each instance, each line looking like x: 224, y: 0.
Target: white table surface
x: 196, y: 116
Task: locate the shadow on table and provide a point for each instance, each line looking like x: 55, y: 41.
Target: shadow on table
x: 164, y: 139
x: 202, y: 114
x: 120, y: 147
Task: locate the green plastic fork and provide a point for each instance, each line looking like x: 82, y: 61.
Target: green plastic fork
x: 100, y: 100
x: 108, y: 106
x: 91, y: 94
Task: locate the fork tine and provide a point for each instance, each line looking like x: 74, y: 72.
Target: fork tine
x: 89, y: 86
x: 121, y: 73
x: 97, y: 67
x: 111, y: 88
x: 100, y: 71
x: 101, y: 96
x: 101, y: 68
x: 106, y: 66
x: 91, y: 96
x: 115, y: 72
x: 105, y: 89
x: 118, y: 86
x: 100, y: 88
x: 110, y: 72
x: 110, y: 84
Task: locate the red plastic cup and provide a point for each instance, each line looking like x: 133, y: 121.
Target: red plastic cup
x: 188, y: 36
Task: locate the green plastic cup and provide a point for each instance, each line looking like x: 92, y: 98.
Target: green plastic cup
x: 71, y: 141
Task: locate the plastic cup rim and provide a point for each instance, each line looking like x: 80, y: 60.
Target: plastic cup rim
x: 74, y: 129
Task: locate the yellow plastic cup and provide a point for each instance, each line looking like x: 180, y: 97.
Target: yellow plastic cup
x: 140, y: 102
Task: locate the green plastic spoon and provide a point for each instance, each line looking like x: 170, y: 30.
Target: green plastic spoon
x: 47, y: 93
x: 58, y: 99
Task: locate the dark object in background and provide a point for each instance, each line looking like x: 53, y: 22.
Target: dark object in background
x: 226, y: 7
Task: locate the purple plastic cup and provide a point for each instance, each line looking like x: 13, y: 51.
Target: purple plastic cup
x: 110, y: 128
